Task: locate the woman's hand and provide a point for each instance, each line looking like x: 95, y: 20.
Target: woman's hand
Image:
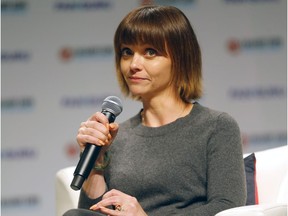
x: 97, y: 130
x: 123, y: 203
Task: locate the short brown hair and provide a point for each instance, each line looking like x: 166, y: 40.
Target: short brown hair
x: 168, y: 30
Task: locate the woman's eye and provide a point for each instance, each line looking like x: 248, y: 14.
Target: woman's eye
x: 126, y: 52
x: 151, y: 52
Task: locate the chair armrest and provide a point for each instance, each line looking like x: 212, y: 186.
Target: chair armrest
x: 66, y: 198
x: 256, y: 210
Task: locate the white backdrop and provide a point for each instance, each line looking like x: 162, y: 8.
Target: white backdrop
x: 57, y: 66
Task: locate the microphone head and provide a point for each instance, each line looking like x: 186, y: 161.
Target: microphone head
x: 113, y: 105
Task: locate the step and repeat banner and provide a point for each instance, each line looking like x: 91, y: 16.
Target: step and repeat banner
x: 57, y: 66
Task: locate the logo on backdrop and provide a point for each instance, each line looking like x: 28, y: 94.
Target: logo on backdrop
x: 19, y: 202
x: 72, y: 150
x: 67, y: 54
x: 18, y: 154
x: 17, y: 104
x: 246, y: 93
x: 82, y: 5
x: 82, y: 101
x: 168, y: 2
x: 235, y: 46
x: 15, y: 56
x: 276, y: 138
x: 13, y: 6
x: 250, y: 1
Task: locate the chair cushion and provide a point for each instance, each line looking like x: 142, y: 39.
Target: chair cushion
x: 256, y: 210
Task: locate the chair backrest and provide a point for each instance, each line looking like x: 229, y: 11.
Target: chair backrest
x: 66, y: 198
x: 271, y: 175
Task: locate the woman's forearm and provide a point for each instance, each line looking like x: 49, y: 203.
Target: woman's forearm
x: 95, y: 185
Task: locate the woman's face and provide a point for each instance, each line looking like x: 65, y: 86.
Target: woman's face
x: 146, y: 71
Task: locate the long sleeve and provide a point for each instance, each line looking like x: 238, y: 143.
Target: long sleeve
x: 226, y: 185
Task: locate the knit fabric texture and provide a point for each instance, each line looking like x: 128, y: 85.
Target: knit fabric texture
x: 192, y: 166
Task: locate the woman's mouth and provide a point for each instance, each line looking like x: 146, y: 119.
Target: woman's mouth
x: 136, y: 79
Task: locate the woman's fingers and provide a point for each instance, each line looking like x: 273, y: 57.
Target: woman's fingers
x: 124, y: 204
x: 95, y: 131
x: 99, y: 117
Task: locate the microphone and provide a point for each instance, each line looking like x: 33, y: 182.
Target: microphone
x: 111, y: 107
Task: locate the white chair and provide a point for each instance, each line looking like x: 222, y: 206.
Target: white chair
x: 272, y: 184
x: 257, y: 210
x: 66, y: 198
x: 271, y: 178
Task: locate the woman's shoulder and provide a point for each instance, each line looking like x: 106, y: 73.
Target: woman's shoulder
x: 207, y: 114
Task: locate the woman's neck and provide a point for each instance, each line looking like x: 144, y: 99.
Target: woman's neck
x: 164, y: 112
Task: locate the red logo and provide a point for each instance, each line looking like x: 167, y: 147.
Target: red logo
x: 66, y: 54
x: 72, y: 150
x: 233, y: 46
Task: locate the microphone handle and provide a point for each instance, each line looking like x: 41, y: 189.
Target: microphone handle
x: 85, y: 165
x: 88, y: 159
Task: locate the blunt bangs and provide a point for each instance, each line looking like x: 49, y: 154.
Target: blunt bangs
x: 141, y: 30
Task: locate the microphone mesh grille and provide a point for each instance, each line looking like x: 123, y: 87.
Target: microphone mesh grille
x: 112, y: 104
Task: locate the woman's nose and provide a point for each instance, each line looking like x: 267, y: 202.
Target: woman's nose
x: 136, y: 62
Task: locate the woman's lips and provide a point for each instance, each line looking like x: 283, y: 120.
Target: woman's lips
x: 136, y: 79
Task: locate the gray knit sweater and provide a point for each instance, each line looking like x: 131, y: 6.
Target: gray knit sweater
x: 192, y: 166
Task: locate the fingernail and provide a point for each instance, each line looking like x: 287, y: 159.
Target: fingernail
x: 101, y: 142
x: 109, y: 136
x: 94, y: 207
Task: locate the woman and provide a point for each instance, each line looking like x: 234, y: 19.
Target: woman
x: 175, y: 157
